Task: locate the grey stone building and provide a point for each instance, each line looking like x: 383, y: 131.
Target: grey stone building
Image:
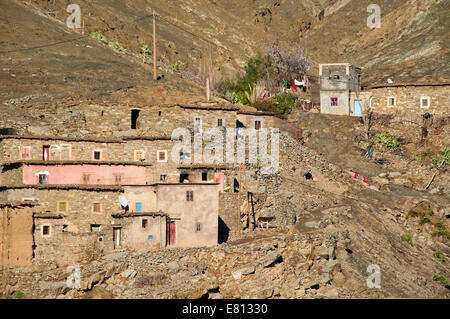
x: 340, y: 85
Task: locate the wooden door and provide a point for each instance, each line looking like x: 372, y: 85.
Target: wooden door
x: 46, y: 152
x: 170, y: 233
x: 116, y: 237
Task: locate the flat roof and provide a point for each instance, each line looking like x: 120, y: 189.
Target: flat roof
x: 76, y: 162
x: 211, y: 107
x: 170, y: 184
x: 86, y: 139
x: 383, y: 85
x: 111, y: 188
x: 260, y: 113
x: 18, y: 203
x: 138, y: 214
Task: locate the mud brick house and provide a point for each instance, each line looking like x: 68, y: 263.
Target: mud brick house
x: 16, y: 234
x: 410, y: 99
x: 340, y: 86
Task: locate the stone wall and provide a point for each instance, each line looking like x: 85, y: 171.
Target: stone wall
x: 408, y: 100
x: 228, y: 216
x: 16, y: 235
x: 343, y: 99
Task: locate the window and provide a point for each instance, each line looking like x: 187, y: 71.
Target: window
x: 162, y: 156
x: 138, y: 207
x: 46, y: 152
x: 220, y: 122
x: 86, y: 178
x: 96, y: 207
x: 425, y: 102
x: 184, y: 177
x: 190, y: 196
x: 95, y: 228
x: 117, y: 179
x: 46, y: 231
x: 97, y: 155
x: 185, y: 156
x: 391, y: 101
x: 42, y: 178
x: 257, y: 124
x: 139, y: 155
x: 144, y: 223
x: 162, y: 178
x: 25, y: 152
x: 334, y: 101
x: 62, y: 206
x: 65, y: 228
x: 198, y: 227
x: 66, y: 151
x: 134, y: 118
x: 204, y: 176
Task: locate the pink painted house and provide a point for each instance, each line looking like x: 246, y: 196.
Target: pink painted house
x: 97, y: 174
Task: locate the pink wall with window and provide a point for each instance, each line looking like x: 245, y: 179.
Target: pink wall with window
x: 85, y: 174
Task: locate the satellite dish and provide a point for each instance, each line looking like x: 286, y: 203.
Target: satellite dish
x: 123, y: 201
x: 390, y: 81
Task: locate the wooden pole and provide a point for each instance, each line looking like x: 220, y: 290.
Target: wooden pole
x: 239, y: 198
x: 154, y: 47
x: 208, y: 91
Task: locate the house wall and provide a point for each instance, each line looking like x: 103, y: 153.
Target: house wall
x: 408, y: 100
x: 248, y: 120
x: 143, y: 194
x: 77, y: 243
x: 16, y: 235
x: 73, y: 174
x: 343, y: 102
x: 204, y: 209
x: 137, y: 238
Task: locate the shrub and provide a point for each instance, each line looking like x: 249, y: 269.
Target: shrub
x: 444, y: 157
x: 424, y: 220
x: 145, y: 50
x: 20, y: 294
x: 407, y: 238
x: 442, y: 231
x: 387, y: 141
x: 439, y: 256
x: 116, y: 46
x: 97, y: 35
x: 441, y: 279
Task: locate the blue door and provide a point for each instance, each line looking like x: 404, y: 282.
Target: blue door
x: 358, y: 107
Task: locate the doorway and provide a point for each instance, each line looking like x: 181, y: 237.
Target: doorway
x: 117, y: 236
x: 170, y: 233
x: 46, y: 152
x: 358, y: 107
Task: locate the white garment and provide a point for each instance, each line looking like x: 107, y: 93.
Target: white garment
x: 302, y: 83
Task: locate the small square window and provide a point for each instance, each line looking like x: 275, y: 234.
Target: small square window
x: 65, y: 228
x: 62, y: 206
x: 220, y: 122
x: 86, y: 178
x: 391, y: 101
x: 204, y: 176
x: 334, y: 101
x: 138, y: 207
x: 257, y: 124
x: 162, y: 156
x: 162, y: 178
x: 25, y: 152
x: 139, y: 155
x: 118, y: 179
x: 198, y: 227
x: 425, y: 102
x: 95, y: 228
x: 144, y: 223
x: 42, y: 178
x: 96, y: 207
x: 46, y: 230
x: 97, y: 155
x: 190, y: 196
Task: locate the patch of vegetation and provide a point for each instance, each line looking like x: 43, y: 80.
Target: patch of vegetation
x: 251, y: 94
x: 20, y: 294
x: 424, y: 155
x: 97, y: 35
x: 442, y: 230
x: 444, y: 157
x: 439, y: 256
x: 117, y: 46
x: 390, y: 142
x: 145, y: 50
x: 441, y: 279
x: 178, y: 65
x: 208, y: 30
x: 332, y: 221
x: 407, y: 238
x: 424, y: 220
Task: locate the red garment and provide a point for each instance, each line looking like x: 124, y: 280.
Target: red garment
x: 356, y: 175
x: 294, y: 87
x: 365, y: 181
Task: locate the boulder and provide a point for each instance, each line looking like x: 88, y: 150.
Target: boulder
x: 237, y: 274
x: 270, y: 259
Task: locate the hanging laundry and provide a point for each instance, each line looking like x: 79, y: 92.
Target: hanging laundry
x: 297, y: 83
x: 294, y: 87
x: 365, y: 181
x: 356, y: 175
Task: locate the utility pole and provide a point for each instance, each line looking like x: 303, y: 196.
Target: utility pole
x: 155, y: 77
x: 208, y: 90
